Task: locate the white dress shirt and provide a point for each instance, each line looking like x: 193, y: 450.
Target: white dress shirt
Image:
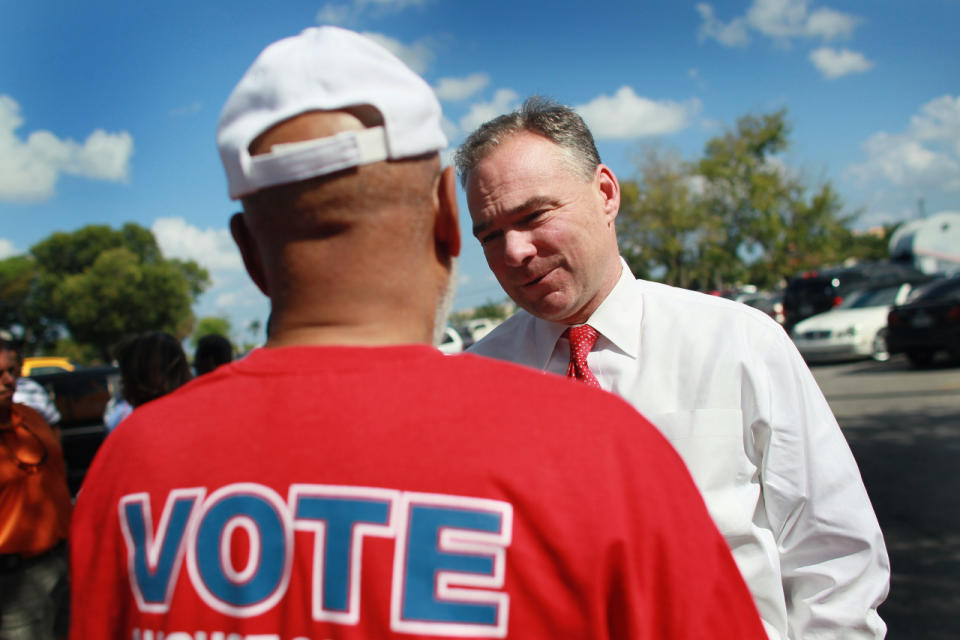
x: 726, y: 386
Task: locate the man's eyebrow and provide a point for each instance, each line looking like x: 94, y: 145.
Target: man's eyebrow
x: 531, y: 204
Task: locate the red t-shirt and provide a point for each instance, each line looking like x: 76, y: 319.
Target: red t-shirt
x: 339, y: 492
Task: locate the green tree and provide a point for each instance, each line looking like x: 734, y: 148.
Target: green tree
x: 664, y: 230
x: 19, y: 276
x: 211, y: 325
x: 99, y: 284
x: 492, y: 310
x: 770, y: 223
x: 736, y: 214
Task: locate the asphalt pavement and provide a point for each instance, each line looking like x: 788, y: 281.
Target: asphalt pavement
x: 903, y: 426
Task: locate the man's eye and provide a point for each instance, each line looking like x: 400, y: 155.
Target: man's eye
x: 532, y: 217
x: 490, y: 237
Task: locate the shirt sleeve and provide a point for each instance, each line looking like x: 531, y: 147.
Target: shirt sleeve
x: 833, y: 560
x: 32, y: 394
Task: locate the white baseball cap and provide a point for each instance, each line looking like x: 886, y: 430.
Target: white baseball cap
x: 324, y: 69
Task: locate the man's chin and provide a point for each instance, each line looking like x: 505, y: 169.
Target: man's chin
x: 552, y: 307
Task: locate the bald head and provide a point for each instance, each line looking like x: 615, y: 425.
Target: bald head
x: 352, y: 248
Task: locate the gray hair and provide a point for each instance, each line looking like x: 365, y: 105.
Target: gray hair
x: 556, y: 122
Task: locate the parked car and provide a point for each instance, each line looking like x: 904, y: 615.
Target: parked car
x: 37, y: 365
x: 80, y: 396
x: 451, y: 342
x: 928, y: 324
x: 770, y: 302
x: 817, y: 291
x: 480, y: 327
x: 856, y: 328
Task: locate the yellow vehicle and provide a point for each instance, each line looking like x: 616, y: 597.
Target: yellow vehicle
x: 46, y: 364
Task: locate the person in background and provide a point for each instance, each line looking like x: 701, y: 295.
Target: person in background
x: 212, y: 351
x: 29, y: 391
x: 116, y: 410
x: 349, y: 480
x: 35, y: 510
x: 151, y: 365
x: 722, y: 381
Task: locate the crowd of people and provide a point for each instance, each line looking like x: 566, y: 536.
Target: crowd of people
x: 678, y: 474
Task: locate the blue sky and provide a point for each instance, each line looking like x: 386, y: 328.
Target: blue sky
x: 108, y: 109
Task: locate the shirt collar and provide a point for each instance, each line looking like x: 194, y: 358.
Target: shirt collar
x: 617, y: 319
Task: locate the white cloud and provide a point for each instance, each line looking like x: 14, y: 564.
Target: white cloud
x: 925, y: 156
x: 730, y: 34
x: 780, y: 20
x: 834, y: 64
x: 939, y: 120
x: 235, y: 294
x: 504, y: 101
x: 187, y: 109
x: 29, y: 169
x: 627, y: 115
x: 831, y: 25
x: 211, y: 248
x: 906, y: 162
x: 104, y: 156
x: 394, y: 5
x: 339, y: 14
x: 417, y: 56
x: 349, y: 12
x: 454, y: 89
x: 7, y: 249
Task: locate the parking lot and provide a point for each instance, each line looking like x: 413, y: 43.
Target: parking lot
x: 903, y: 426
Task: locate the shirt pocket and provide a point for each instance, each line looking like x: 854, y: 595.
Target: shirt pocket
x: 711, y: 443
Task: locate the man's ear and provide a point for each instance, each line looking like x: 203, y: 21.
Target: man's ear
x: 447, y: 223
x: 248, y: 251
x: 609, y: 191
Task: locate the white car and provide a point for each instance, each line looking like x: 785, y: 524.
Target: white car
x: 854, y: 329
x: 451, y: 342
x: 479, y: 327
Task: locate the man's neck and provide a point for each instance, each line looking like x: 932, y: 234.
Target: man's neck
x: 371, y: 334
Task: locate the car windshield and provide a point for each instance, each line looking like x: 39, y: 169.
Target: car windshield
x: 946, y: 288
x: 883, y: 297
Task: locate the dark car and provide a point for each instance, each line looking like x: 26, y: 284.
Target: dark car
x: 928, y: 324
x: 81, y: 397
x: 817, y: 291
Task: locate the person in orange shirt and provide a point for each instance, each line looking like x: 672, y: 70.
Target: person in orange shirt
x: 35, y: 511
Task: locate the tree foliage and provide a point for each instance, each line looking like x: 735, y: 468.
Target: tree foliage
x: 99, y: 284
x: 663, y: 229
x: 211, y: 325
x: 736, y: 214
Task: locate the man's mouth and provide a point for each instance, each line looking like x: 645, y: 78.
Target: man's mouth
x: 537, y: 279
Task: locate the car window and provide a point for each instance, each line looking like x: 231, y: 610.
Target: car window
x: 882, y: 297
x: 948, y: 287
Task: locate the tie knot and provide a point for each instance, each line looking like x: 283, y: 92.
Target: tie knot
x: 582, y: 338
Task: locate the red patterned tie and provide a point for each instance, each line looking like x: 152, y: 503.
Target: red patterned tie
x: 582, y: 339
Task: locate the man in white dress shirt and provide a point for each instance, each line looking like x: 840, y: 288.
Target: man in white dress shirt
x: 720, y: 379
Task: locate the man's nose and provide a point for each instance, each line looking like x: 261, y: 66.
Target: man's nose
x: 518, y: 247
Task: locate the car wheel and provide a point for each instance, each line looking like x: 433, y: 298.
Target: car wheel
x: 879, y: 350
x: 920, y: 358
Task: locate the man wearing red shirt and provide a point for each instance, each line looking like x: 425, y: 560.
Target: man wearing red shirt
x: 349, y: 480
